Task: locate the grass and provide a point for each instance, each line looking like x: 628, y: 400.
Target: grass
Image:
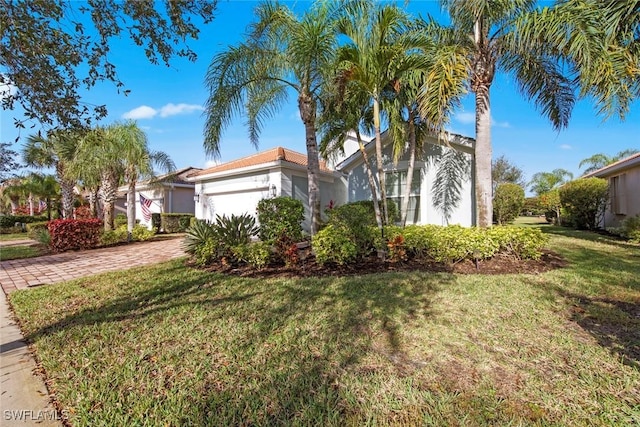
x: 13, y: 236
x: 21, y: 251
x: 169, y: 345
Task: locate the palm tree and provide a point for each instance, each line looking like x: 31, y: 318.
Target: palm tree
x: 56, y: 151
x: 282, y: 52
x: 543, y: 182
x: 137, y: 162
x: 14, y: 191
x: 600, y: 160
x: 379, y: 49
x: 485, y: 29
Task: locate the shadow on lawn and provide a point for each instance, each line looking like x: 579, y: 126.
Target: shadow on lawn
x: 590, y: 236
x: 291, y: 340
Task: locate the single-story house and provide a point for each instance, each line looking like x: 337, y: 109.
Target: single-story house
x: 442, y: 186
x: 170, y: 193
x: 624, y: 189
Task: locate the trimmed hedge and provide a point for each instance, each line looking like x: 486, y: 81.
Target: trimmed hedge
x: 280, y: 218
x: 67, y: 234
x: 507, y: 203
x: 585, y: 200
x: 449, y: 245
x: 10, y: 220
x: 175, y: 222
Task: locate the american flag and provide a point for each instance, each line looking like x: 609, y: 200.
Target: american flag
x: 145, y: 204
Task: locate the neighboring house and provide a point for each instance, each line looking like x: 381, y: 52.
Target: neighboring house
x: 170, y: 193
x: 624, y: 189
x: 236, y: 187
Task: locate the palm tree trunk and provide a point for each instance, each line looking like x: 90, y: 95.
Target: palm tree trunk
x: 108, y: 193
x: 372, y: 182
x: 410, y: 168
x: 15, y: 204
x: 66, y: 188
x: 30, y: 204
x: 484, y: 200
x: 131, y: 206
x: 93, y: 202
x: 381, y: 177
x: 306, y: 105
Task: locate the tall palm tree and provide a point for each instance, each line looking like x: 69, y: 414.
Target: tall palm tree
x: 281, y: 52
x: 486, y: 30
x: 379, y: 48
x: 600, y: 160
x: 55, y: 150
x: 138, y: 162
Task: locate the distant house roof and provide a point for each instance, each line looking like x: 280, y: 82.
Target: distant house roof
x: 177, y: 177
x: 620, y: 165
x: 271, y: 156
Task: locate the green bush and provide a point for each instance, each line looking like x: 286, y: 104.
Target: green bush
x: 369, y: 214
x: 156, y: 222
x: 119, y: 220
x: 584, y: 201
x: 174, y: 222
x: 508, y: 201
x: 334, y: 244
x: 523, y: 243
x: 630, y: 228
x: 140, y: 233
x: 358, y: 219
x: 280, y: 217
x: 34, y: 229
x: 10, y: 220
x: 112, y: 237
x: 256, y: 254
x: 235, y: 230
x: 207, y: 252
x: 197, y: 235
x: 11, y: 230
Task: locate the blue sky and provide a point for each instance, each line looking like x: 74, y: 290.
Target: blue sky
x: 167, y: 103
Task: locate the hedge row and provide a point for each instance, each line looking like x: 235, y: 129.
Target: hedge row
x: 10, y: 220
x: 175, y: 222
x: 336, y: 243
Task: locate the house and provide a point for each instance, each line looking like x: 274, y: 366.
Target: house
x: 170, y: 193
x: 624, y: 189
x: 442, y: 186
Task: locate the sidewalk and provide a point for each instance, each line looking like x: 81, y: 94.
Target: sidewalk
x: 23, y: 395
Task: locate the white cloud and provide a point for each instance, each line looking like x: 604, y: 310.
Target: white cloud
x: 7, y: 89
x: 566, y: 147
x: 142, y: 112
x: 500, y: 124
x: 465, y: 118
x: 175, y: 109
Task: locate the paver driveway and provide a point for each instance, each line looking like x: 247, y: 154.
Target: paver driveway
x: 22, y: 273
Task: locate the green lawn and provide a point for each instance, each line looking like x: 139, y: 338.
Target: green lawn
x: 13, y: 236
x: 169, y: 345
x: 21, y: 251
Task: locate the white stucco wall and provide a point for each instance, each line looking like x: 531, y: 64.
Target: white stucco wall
x: 427, y: 166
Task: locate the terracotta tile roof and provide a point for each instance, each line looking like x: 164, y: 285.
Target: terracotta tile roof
x: 264, y: 157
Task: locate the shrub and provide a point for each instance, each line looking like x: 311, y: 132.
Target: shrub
x: 507, y: 202
x: 280, y: 216
x: 523, y: 243
x: 11, y: 220
x: 34, y: 229
x: 174, y: 222
x: 393, y: 211
x: 206, y: 252
x: 197, y: 235
x: 141, y: 233
x: 11, y: 230
x: 584, y: 201
x: 235, y: 230
x: 630, y: 228
x: 334, y: 244
x: 156, y: 222
x: 256, y: 254
x: 361, y: 224
x: 119, y: 220
x: 111, y: 237
x: 550, y: 202
x: 69, y: 234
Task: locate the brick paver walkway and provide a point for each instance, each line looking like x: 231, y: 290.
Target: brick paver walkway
x: 23, y: 273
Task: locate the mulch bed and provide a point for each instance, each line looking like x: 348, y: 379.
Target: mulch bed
x: 500, y: 264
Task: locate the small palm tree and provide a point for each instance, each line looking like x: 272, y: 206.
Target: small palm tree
x: 282, y: 52
x: 543, y: 182
x: 600, y: 160
x: 55, y: 150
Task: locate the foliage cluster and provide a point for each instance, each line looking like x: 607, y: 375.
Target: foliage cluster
x: 629, y: 229
x: 584, y: 201
x: 450, y: 244
x: 67, y: 234
x: 508, y: 202
x: 280, y: 216
x: 140, y: 233
x: 10, y: 220
x: 175, y: 222
x: 35, y: 228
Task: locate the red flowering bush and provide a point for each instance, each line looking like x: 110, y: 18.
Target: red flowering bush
x: 69, y: 234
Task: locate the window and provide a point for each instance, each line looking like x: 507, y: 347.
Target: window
x: 396, y: 185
